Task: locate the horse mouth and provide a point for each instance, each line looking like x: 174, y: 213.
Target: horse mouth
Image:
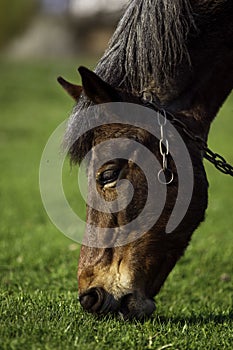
x: 134, y: 306
x: 130, y: 306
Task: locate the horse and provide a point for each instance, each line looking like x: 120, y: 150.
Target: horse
x: 174, y: 57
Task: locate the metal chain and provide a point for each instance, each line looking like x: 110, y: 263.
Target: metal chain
x: 216, y: 159
x: 164, y: 151
x: 219, y: 162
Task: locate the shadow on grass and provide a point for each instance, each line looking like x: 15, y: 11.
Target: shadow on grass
x: 216, y: 319
x: 195, y: 319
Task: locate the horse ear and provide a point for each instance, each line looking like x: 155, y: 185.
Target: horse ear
x: 72, y: 89
x: 97, y: 90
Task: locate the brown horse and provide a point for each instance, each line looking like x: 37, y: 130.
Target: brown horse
x: 179, y: 54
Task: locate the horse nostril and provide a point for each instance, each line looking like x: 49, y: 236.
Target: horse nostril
x: 88, y: 301
x: 92, y: 300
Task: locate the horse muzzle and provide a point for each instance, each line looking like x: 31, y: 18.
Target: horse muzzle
x: 129, y: 306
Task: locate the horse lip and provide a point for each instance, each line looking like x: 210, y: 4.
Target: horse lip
x: 136, y: 306
x: 110, y: 305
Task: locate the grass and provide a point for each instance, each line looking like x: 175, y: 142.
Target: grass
x: 39, y: 307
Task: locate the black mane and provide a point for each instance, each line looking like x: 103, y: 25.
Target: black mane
x: 148, y: 44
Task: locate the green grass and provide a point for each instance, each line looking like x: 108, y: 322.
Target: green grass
x: 39, y: 307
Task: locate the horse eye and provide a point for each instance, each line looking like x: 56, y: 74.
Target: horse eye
x: 108, y: 176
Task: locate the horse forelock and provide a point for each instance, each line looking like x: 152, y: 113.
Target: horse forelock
x: 77, y: 146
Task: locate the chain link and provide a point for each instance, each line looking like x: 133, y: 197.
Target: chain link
x: 219, y: 162
x: 216, y: 159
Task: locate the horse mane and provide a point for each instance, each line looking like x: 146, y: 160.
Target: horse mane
x: 148, y: 44
x: 145, y: 50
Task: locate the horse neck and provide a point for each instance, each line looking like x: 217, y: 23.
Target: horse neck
x: 205, y: 91
x: 200, y: 88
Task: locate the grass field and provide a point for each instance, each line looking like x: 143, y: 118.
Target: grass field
x: 39, y: 307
